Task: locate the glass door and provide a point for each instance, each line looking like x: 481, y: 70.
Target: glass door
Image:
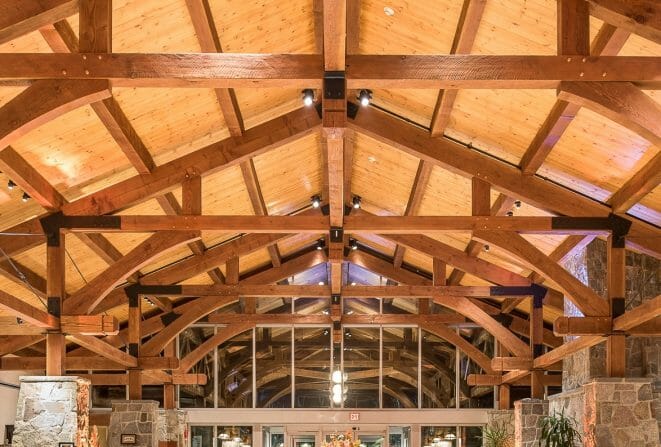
x: 303, y: 440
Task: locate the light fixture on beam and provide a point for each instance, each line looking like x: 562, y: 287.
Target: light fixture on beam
x: 510, y: 213
x: 486, y: 248
x: 364, y: 97
x: 316, y: 201
x: 517, y: 204
x: 25, y: 197
x: 308, y: 97
x: 320, y: 244
x: 356, y: 202
x: 353, y: 244
x: 11, y: 185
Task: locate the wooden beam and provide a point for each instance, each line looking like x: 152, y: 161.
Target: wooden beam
x: 168, y: 176
x: 420, y: 183
x: 87, y: 363
x: 477, y: 71
x: 638, y: 186
x: 508, y: 180
x: 20, y: 17
x: 353, y: 26
x: 104, y: 349
x: 469, y: 22
x: 621, y: 102
x: 459, y: 259
x: 221, y: 70
x: 14, y: 343
x: 258, y: 204
x: 511, y: 363
x: 95, y: 26
x: 305, y: 71
x: 582, y: 296
x: 89, y: 324
x: 335, y: 34
x: 616, y: 286
x: 212, y: 343
x: 455, y: 339
x: 30, y: 180
x: 55, y: 290
x: 638, y: 315
x: 89, y: 296
x: 642, y: 17
x: 28, y: 313
x: 568, y: 348
x: 583, y: 325
x: 573, y: 28
x: 148, y: 378
x: 44, y: 101
x: 207, y: 36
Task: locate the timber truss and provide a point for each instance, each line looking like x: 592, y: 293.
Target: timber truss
x: 82, y: 72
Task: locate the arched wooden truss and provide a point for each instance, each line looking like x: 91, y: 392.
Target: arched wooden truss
x: 585, y: 77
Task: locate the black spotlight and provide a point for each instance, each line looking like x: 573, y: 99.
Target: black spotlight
x: 308, y: 97
x: 365, y: 96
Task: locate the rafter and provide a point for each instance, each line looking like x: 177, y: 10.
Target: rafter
x: 19, y: 17
x: 641, y: 17
x: 469, y: 22
x: 27, y: 312
x: 508, y: 180
x: 87, y: 298
x: 103, y: 349
x: 638, y: 186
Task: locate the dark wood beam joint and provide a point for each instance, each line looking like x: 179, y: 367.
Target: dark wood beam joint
x: 535, y: 290
x: 620, y: 227
x: 537, y: 350
x: 617, y: 307
x: 169, y: 318
x: 164, y: 290
x: 54, y: 305
x: 337, y: 235
x: 134, y: 349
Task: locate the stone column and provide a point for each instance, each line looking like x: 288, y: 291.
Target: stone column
x: 51, y: 410
x: 171, y: 426
x: 502, y: 419
x: 527, y: 413
x: 134, y: 417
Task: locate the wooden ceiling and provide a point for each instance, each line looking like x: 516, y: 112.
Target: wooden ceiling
x: 581, y: 150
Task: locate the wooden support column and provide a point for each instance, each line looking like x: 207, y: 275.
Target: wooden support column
x: 169, y: 389
x: 134, y: 337
x: 536, y: 345
x: 616, y: 344
x: 95, y: 26
x: 55, y: 269
x: 439, y: 279
x: 504, y: 397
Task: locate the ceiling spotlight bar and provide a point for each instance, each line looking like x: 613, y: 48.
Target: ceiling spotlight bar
x: 364, y: 97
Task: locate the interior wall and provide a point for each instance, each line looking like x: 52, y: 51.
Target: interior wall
x: 8, y: 398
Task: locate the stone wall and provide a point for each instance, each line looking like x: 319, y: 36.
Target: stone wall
x: 527, y: 414
x: 138, y: 417
x: 611, y: 412
x: 51, y: 410
x: 502, y: 419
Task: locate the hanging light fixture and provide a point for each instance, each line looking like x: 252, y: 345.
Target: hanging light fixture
x: 308, y: 97
x: 365, y: 96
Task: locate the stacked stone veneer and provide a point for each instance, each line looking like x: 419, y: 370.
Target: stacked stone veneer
x: 51, y: 410
x: 171, y: 426
x: 527, y: 414
x: 135, y: 417
x: 611, y: 412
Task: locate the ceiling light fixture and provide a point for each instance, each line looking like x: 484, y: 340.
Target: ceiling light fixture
x: 25, y: 197
x: 356, y: 201
x: 353, y: 244
x: 365, y: 96
x: 486, y: 248
x: 308, y: 97
x: 321, y: 283
x: 11, y: 185
x: 316, y: 201
x: 517, y: 203
x: 320, y: 244
x: 388, y: 11
x: 510, y: 213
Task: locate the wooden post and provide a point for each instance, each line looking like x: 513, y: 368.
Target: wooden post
x: 95, y: 26
x: 169, y: 389
x: 55, y: 269
x: 616, y: 344
x: 134, y: 337
x: 536, y: 345
x: 504, y: 397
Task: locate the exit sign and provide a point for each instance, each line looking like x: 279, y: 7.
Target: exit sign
x: 353, y: 417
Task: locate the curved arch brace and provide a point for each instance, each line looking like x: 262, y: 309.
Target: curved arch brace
x: 622, y: 102
x: 459, y: 342
x: 212, y: 343
x: 44, y: 101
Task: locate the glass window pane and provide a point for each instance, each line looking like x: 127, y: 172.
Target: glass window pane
x: 475, y: 396
x: 400, y: 367
x: 471, y: 436
x: 235, y: 371
x: 103, y: 395
x: 234, y: 436
x: 197, y: 396
x: 201, y: 436
x: 273, y: 305
x: 153, y: 392
x: 399, y: 436
x: 312, y: 306
x: 273, y: 436
x: 273, y: 350
x: 312, y: 367
x: 439, y: 436
x: 438, y: 372
x: 361, y: 367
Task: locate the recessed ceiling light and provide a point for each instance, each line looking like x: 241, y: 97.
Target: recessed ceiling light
x: 389, y: 11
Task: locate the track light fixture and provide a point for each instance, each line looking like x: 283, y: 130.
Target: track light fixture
x: 25, y: 197
x: 486, y: 248
x: 517, y: 204
x: 11, y: 185
x: 510, y: 213
x: 365, y: 96
x: 356, y: 201
x: 316, y: 201
x: 308, y: 97
x: 320, y: 244
x: 353, y: 244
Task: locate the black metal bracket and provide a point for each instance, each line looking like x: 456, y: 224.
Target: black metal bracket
x: 617, y: 307
x: 134, y: 349
x: 352, y: 110
x: 53, y: 304
x: 169, y: 318
x: 620, y: 228
x: 337, y: 234
x: 334, y: 85
x: 335, y: 300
